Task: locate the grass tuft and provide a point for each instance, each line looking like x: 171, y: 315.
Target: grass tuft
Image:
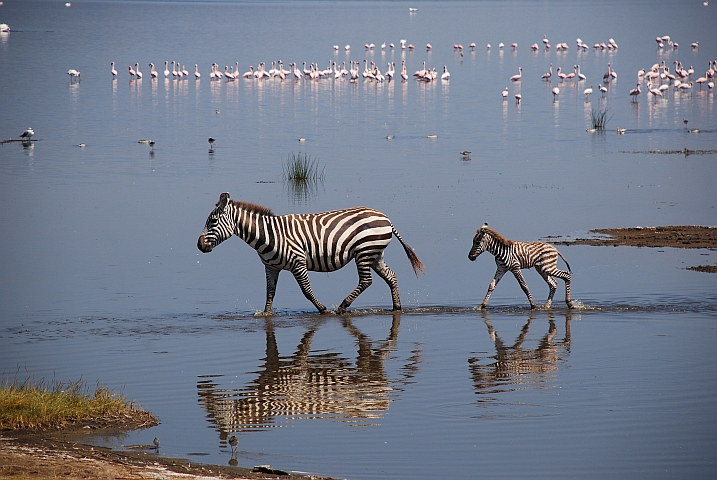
x: 599, y: 118
x: 302, y: 168
x: 39, y: 404
x: 302, y: 174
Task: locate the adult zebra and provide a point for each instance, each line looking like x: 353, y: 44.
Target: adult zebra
x: 318, y: 242
x: 511, y: 255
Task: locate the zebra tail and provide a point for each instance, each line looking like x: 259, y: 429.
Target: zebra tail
x: 415, y: 261
x: 566, y: 262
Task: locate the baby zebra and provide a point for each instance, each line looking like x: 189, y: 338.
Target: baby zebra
x: 512, y: 256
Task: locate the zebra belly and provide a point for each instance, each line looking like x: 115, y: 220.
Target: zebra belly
x: 338, y: 253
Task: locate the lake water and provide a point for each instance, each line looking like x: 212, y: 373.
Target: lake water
x: 101, y: 278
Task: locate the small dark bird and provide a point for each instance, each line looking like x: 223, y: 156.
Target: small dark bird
x: 156, y: 443
x: 211, y: 144
x: 685, y: 121
x: 233, y: 442
x: 465, y: 152
x: 27, y: 134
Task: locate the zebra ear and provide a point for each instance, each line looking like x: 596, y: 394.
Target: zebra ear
x: 223, y: 199
x: 484, y: 225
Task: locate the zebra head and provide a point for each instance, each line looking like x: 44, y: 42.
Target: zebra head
x: 480, y: 243
x: 218, y: 228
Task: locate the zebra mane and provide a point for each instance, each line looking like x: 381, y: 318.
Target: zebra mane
x: 500, y: 238
x: 253, y: 208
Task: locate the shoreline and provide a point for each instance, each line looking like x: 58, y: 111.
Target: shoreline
x: 59, y: 454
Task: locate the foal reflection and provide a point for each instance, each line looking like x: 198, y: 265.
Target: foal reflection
x: 309, y: 384
x: 515, y: 367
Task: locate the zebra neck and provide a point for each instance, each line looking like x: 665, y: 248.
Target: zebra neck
x: 494, y: 246
x: 254, y: 228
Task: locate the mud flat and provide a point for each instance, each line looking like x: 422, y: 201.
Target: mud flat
x: 682, y: 236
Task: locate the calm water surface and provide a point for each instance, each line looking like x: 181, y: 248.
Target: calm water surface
x: 101, y: 278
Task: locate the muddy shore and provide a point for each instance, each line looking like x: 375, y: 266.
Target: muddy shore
x: 62, y: 454
x: 683, y: 236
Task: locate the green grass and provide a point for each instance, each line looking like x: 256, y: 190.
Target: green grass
x: 599, y: 118
x: 35, y: 405
x: 302, y: 168
x: 302, y: 175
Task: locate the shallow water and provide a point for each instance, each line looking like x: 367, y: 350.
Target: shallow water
x: 101, y: 278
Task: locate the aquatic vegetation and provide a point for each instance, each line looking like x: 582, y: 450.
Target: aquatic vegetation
x: 302, y: 176
x: 302, y: 167
x: 599, y: 118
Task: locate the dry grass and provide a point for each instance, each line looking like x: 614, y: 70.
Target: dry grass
x: 36, y: 405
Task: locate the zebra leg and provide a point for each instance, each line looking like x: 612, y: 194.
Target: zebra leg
x: 364, y: 273
x: 553, y: 286
x: 519, y: 276
x: 383, y: 270
x: 496, y: 278
x: 566, y: 277
x: 301, y: 274
x: 272, y: 276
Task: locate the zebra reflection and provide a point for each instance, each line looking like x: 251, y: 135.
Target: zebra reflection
x: 514, y: 367
x: 309, y: 385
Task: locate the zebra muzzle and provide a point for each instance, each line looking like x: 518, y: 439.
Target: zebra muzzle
x: 203, y: 245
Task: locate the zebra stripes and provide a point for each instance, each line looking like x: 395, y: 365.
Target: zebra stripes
x: 319, y: 242
x: 513, y: 256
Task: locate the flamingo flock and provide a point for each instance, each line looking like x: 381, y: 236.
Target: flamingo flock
x: 658, y: 78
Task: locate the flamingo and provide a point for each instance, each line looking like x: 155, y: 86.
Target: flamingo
x: 174, y: 70
x: 74, y: 74
x: 580, y: 75
x: 152, y: 71
x: 701, y: 80
x: 113, y: 71
x: 561, y: 75
x: 390, y: 72
x: 570, y: 76
x: 635, y: 92
x: 137, y: 72
x: 131, y: 72
x: 514, y: 45
x: 166, y: 69
x: 555, y: 91
x: 517, y: 77
x: 518, y: 98
x: 608, y: 74
x: 546, y: 76
x: 588, y: 92
x: 250, y: 73
x: 184, y: 71
x: 197, y: 75
x: 656, y: 93
x: 404, y: 73
x: 545, y: 40
x: 447, y: 76
x: 504, y: 93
